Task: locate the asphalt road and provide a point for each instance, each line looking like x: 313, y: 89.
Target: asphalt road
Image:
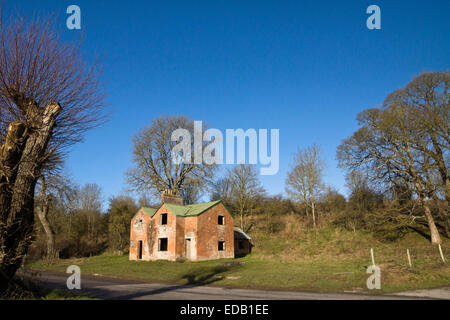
x: 114, y: 288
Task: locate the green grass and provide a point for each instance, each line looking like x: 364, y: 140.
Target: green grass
x: 64, y: 295
x: 329, y: 261
x: 32, y: 290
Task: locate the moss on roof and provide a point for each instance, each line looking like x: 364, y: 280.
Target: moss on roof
x: 149, y: 211
x: 190, y: 210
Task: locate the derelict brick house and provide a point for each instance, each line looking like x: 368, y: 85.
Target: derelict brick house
x: 197, y: 232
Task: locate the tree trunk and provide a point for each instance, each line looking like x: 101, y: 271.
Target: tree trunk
x: 434, y: 232
x: 435, y: 237
x: 447, y: 189
x: 42, y: 213
x: 313, y: 212
x: 21, y: 161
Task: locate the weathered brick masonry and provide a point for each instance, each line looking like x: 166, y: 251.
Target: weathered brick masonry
x: 197, y: 232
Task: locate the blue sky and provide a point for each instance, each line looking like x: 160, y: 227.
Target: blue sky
x: 304, y: 67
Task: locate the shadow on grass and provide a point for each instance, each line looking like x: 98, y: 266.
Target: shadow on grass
x: 205, y: 276
x: 420, y: 232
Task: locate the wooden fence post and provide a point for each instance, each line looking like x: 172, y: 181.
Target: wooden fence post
x: 409, y: 258
x: 442, y: 254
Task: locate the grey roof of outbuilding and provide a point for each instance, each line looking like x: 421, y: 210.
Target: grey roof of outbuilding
x: 240, y: 235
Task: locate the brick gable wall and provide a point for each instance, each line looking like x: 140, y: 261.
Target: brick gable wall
x: 203, y: 231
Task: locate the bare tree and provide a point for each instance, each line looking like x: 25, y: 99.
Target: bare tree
x: 48, y: 98
x: 304, y: 181
x: 221, y: 190
x: 191, y: 192
x: 41, y: 210
x: 406, y: 141
x: 246, y: 189
x: 425, y: 104
x: 155, y: 169
x: 50, y: 189
x: 90, y: 197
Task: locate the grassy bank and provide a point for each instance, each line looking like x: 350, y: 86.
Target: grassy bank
x: 331, y: 260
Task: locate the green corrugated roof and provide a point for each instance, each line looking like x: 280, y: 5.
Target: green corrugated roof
x: 149, y: 211
x: 190, y: 210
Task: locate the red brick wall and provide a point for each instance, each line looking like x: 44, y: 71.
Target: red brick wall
x: 179, y: 243
x: 210, y: 233
x: 246, y: 247
x: 190, y: 231
x: 139, y: 233
x: 165, y: 231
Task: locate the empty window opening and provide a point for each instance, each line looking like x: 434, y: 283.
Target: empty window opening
x: 221, y: 245
x: 140, y: 249
x: 221, y: 220
x: 241, y: 245
x: 163, y: 244
x: 164, y: 218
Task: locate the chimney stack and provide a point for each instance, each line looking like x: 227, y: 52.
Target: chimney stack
x: 171, y: 198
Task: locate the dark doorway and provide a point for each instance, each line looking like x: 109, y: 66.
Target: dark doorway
x: 140, y: 250
x: 163, y: 244
x: 188, y: 249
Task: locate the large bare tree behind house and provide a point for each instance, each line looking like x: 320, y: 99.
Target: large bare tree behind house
x: 48, y: 98
x: 156, y: 171
x: 245, y: 191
